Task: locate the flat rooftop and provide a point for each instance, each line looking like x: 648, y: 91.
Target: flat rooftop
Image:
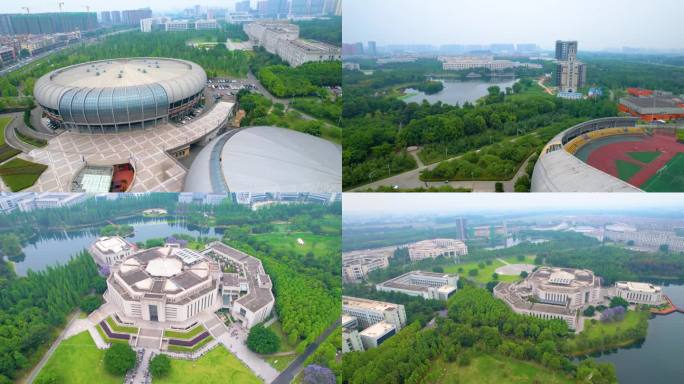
x: 133, y: 72
x: 638, y: 287
x: 654, y: 101
x: 371, y: 305
x: 377, y: 330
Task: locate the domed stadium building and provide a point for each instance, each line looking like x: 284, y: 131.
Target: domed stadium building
x: 110, y: 96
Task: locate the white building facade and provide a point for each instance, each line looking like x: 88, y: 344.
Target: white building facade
x: 369, y: 312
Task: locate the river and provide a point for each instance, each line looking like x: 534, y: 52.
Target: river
x: 458, y: 92
x: 659, y: 358
x: 52, y: 247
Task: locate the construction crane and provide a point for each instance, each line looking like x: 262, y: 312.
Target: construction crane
x: 61, y: 3
x: 27, y: 9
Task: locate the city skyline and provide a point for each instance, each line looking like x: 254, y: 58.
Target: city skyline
x: 37, y: 6
x: 359, y: 204
x: 597, y: 25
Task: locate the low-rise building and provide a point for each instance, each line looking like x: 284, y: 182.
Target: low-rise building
x: 351, y: 341
x: 428, y: 285
x: 376, y: 334
x: 50, y: 200
x: 639, y: 293
x: 430, y: 249
x: 356, y: 265
x: 10, y: 201
x: 109, y: 250
x: 369, y: 312
x: 553, y: 293
x: 459, y: 63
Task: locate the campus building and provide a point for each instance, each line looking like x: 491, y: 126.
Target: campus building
x: 459, y: 63
x: 652, y: 105
x: 356, y: 265
x: 639, y: 293
x: 570, y: 73
x: 108, y: 250
x: 47, y: 23
x: 553, y: 293
x: 50, y: 200
x: 282, y: 38
x: 433, y: 248
x: 351, y: 340
x: 376, y: 334
x: 645, y: 239
x: 119, y: 94
x: 174, y: 284
x: 428, y: 285
x: 369, y: 312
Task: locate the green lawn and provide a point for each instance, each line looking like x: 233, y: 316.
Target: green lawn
x: 489, y: 369
x: 318, y: 244
x: 485, y: 275
x: 217, y: 366
x: 77, y: 360
x: 184, y: 335
x: 280, y: 362
x: 670, y: 178
x: 4, y: 120
x: 284, y: 343
x: 20, y: 174
x: 120, y: 328
x: 644, y: 157
x: 626, y: 169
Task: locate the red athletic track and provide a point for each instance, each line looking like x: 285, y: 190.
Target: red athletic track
x: 604, y: 157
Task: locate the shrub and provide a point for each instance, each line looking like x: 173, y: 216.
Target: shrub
x: 160, y: 366
x: 262, y: 340
x: 119, y: 359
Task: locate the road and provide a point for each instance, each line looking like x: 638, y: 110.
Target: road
x: 11, y: 135
x: 540, y: 82
x: 295, y: 367
x: 48, y: 354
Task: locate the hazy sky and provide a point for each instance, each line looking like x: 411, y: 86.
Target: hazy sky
x: 9, y: 6
x: 399, y: 203
x: 596, y: 24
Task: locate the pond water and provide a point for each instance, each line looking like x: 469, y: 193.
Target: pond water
x: 458, y: 92
x: 52, y: 247
x: 659, y: 358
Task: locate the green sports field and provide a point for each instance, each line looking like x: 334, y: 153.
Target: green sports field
x: 644, y: 157
x: 670, y: 178
x: 626, y: 170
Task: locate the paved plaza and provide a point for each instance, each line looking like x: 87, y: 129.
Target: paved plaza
x: 156, y: 170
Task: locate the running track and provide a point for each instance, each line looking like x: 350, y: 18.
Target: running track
x: 604, y: 157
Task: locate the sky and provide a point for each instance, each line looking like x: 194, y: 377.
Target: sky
x: 463, y: 203
x: 8, y: 6
x: 596, y: 24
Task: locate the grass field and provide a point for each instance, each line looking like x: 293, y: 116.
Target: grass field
x: 670, y: 178
x: 284, y: 343
x: 4, y: 120
x: 77, y: 360
x: 319, y: 245
x: 485, y: 275
x: 644, y: 157
x: 626, y: 170
x: 217, y: 366
x: 488, y: 369
x: 280, y: 362
x: 20, y: 174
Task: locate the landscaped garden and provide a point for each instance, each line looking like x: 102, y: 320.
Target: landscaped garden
x: 485, y: 270
x: 19, y: 174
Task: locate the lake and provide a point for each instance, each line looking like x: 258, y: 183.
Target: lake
x: 659, y: 358
x: 52, y: 247
x: 458, y: 92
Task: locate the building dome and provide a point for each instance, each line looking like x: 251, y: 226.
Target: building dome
x: 164, y: 267
x: 106, y: 95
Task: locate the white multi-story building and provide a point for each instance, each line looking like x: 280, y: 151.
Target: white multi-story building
x: 356, y: 265
x: 553, y: 293
x: 178, y: 25
x: 376, y: 334
x: 428, y: 285
x: 110, y: 250
x: 206, y: 24
x: 50, y: 200
x: 174, y: 285
x: 369, y: 312
x: 10, y: 201
x: 282, y: 38
x: 459, y: 63
x: 430, y: 249
x: 215, y: 198
x: 639, y: 293
x: 351, y: 341
x: 648, y: 239
x: 239, y: 17
x: 186, y: 197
